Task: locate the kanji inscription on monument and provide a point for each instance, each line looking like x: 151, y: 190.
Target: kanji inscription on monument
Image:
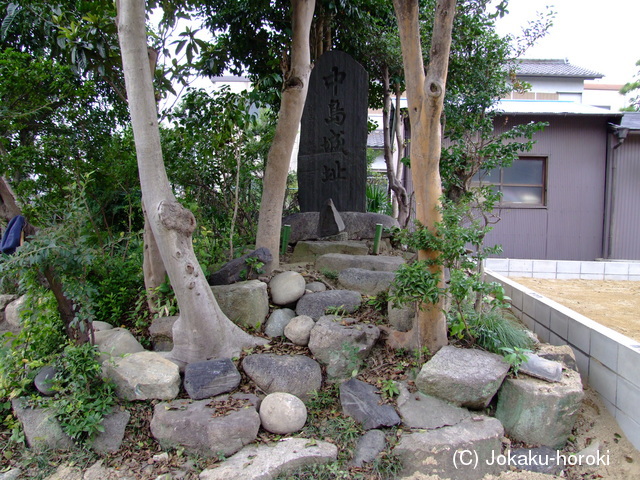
x: 333, y: 139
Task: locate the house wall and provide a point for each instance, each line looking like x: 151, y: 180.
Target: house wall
x: 625, y: 242
x: 570, y: 225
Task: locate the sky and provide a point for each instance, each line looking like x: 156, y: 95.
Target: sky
x: 601, y: 36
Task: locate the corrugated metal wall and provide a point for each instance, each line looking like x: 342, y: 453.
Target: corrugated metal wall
x: 570, y: 226
x: 625, y: 243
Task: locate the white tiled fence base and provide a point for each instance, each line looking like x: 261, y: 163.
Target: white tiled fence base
x: 607, y: 360
x: 564, y: 269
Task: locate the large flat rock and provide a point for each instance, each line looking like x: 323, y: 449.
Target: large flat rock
x: 144, y: 376
x: 423, y: 411
x: 358, y: 225
x: 207, y: 427
x: 298, y: 375
x: 265, y: 462
x: 341, y: 348
x: 465, y: 377
x: 315, y: 305
x: 452, y: 452
x: 363, y: 403
x: 337, y: 262
x: 367, y: 282
x: 537, y: 412
x: 308, y: 251
x: 245, y: 303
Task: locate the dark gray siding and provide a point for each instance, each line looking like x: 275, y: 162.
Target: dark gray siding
x: 626, y: 217
x: 570, y: 226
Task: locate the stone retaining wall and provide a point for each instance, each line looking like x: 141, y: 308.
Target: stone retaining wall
x: 607, y: 360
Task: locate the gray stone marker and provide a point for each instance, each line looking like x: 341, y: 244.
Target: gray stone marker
x: 333, y: 136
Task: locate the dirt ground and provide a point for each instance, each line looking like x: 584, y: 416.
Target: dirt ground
x: 612, y: 303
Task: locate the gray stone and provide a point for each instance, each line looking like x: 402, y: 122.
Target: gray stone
x: 99, y: 326
x: 358, y: 225
x: 539, y: 460
x: 330, y: 222
x: 245, y: 303
x: 236, y: 269
x: 114, y: 426
x: 98, y: 471
x: 333, y: 136
x: 115, y: 343
x: 161, y: 332
x: 315, y: 305
x: 342, y: 348
x: 44, y: 379
x: 537, y: 412
x: 286, y: 287
x: 282, y: 413
x: 298, y: 375
x: 336, y: 262
x: 12, y: 313
x: 418, y: 410
x: 41, y: 429
x: 308, y: 251
x: 401, y: 318
x: 315, y: 287
x: 542, y: 368
x: 465, y: 377
x: 362, y: 402
x: 202, y: 428
x: 367, y: 282
x: 6, y: 300
x: 144, y: 376
x: 266, y: 462
x: 277, y: 321
x: 66, y: 472
x: 12, y: 474
x: 559, y: 353
x: 433, y: 452
x: 298, y: 330
x: 210, y: 378
x: 368, y: 448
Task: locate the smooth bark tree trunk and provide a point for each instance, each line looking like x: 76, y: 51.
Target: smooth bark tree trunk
x: 399, y: 192
x: 294, y: 94
x: 425, y: 99
x: 202, y: 330
x: 152, y: 264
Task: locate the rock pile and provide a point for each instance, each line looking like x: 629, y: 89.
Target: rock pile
x: 441, y: 414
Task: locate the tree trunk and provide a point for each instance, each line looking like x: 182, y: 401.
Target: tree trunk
x: 294, y: 95
x: 152, y: 265
x: 399, y: 192
x: 404, y: 210
x: 425, y: 97
x: 202, y: 331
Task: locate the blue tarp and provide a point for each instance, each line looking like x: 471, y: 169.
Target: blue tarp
x: 11, y: 237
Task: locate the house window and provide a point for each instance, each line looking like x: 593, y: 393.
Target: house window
x: 523, y: 183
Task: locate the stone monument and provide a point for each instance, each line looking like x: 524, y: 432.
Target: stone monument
x: 333, y: 139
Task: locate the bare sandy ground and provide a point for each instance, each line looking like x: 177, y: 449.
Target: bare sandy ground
x: 615, y: 304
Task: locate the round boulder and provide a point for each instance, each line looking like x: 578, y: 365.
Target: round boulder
x: 44, y: 380
x: 286, y: 288
x: 282, y: 413
x: 298, y: 330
